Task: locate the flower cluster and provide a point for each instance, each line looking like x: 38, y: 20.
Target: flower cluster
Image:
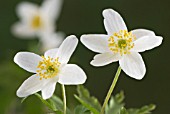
x: 119, y: 44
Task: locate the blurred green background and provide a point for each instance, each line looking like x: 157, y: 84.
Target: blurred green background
x: 85, y: 16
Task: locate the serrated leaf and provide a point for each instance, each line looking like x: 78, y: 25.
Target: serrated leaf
x: 144, y: 110
x: 88, y: 101
x: 81, y: 110
x: 87, y: 105
x: 115, y: 104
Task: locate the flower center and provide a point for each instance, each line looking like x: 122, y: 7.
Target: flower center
x: 121, y: 42
x: 36, y: 22
x: 48, y: 68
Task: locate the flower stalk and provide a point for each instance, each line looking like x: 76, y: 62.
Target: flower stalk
x: 111, y: 90
x: 64, y: 98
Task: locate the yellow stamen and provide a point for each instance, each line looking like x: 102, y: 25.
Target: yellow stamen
x: 121, y: 42
x: 36, y: 22
x: 48, y: 68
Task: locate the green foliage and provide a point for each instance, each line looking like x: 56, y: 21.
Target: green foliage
x: 49, y: 104
x: 115, y: 104
x: 88, y: 101
x: 80, y: 109
x: 90, y: 105
x: 58, y: 103
x: 143, y: 110
x: 54, y: 103
x: 123, y: 111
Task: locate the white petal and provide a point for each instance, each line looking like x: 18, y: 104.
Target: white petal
x: 97, y: 43
x: 26, y: 9
x: 22, y: 30
x: 142, y: 32
x: 30, y: 86
x: 49, y: 26
x: 48, y: 90
x: 133, y: 65
x: 28, y: 61
x: 67, y: 48
x: 113, y: 21
x: 51, y: 40
x: 105, y: 59
x: 51, y: 8
x: 147, y: 43
x: 72, y: 75
x: 51, y: 53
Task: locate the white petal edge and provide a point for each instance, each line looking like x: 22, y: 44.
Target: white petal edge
x: 51, y: 40
x: 105, y: 59
x: 22, y: 30
x: 48, y: 90
x: 30, y: 86
x: 113, y: 21
x: 147, y: 43
x: 133, y: 65
x: 51, y: 53
x: 28, y: 61
x: 96, y: 42
x: 142, y: 32
x: 51, y: 9
x: 67, y: 48
x: 72, y: 74
x: 26, y: 9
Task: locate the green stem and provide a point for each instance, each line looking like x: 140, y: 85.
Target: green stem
x: 111, y: 90
x: 64, y: 99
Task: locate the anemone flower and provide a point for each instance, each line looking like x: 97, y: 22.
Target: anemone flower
x: 35, y: 20
x: 121, y: 45
x: 49, y: 69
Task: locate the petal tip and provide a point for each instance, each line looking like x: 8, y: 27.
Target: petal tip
x: 107, y: 11
x: 45, y: 97
x: 73, y: 38
x: 16, y: 57
x: 20, y: 94
x: 82, y: 38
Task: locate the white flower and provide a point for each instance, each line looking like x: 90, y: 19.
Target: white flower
x: 49, y: 69
x: 51, y: 40
x: 121, y: 45
x: 35, y: 20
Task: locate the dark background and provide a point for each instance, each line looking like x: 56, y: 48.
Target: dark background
x: 85, y: 16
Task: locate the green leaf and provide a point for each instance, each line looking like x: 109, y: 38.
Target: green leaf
x: 115, y: 104
x: 46, y: 102
x: 88, y: 101
x: 58, y: 103
x: 88, y: 106
x: 123, y: 111
x: 144, y: 110
x: 54, y: 103
x: 81, y: 110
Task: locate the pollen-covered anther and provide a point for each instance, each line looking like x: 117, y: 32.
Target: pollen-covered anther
x: 121, y: 42
x: 48, y: 68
